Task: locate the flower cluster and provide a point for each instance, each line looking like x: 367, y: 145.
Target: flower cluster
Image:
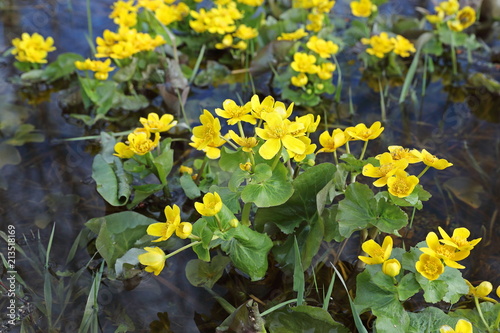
x: 446, y: 251
x: 391, y: 171
x: 317, y: 9
x: 101, y: 68
x: 125, y: 43
x: 450, y: 14
x: 32, y: 49
x: 382, y: 44
x: 139, y: 141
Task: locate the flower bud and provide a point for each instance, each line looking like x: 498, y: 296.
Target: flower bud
x: 184, y: 230
x: 234, y: 223
x: 246, y: 166
x: 484, y: 289
x: 391, y: 267
x: 498, y: 291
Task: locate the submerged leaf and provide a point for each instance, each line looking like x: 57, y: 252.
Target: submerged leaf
x: 466, y: 190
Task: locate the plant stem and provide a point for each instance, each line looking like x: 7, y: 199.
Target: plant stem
x: 276, y: 158
x: 171, y: 254
x: 476, y: 300
x: 363, y: 151
x: 424, y: 171
x: 383, y: 113
x: 179, y: 97
x: 219, y: 222
x: 453, y: 54
x: 245, y: 214
x: 335, y: 157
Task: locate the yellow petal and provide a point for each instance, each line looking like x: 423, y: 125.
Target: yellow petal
x: 270, y: 148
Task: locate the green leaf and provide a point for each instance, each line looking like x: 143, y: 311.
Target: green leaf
x: 262, y: 173
x: 331, y: 225
x: 189, y: 186
x: 434, y: 290
x: 490, y: 312
x: 117, y: 233
x: 271, y: 192
x: 248, y: 250
x: 25, y: 133
x: 407, y: 287
x: 141, y: 192
x: 206, y: 274
x: 230, y: 160
x: 164, y: 163
x: 63, y: 66
x: 126, y: 73
x: 129, y: 102
x: 302, y: 205
x: 303, y: 318
x: 455, y: 284
x: 246, y: 318
x: 8, y: 155
x: 229, y: 198
x: 360, y: 208
x: 112, y: 182
x: 428, y: 320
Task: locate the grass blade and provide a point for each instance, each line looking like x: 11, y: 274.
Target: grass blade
x: 326, y: 300
x: 90, y: 320
x: 277, y: 306
x: 298, y: 275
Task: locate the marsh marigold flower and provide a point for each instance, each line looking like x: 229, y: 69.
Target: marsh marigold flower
x: 123, y: 151
x: 449, y: 254
x: 387, y: 168
x: 464, y: 19
x: 269, y: 105
x: 244, y: 32
x: 458, y: 239
x: 431, y: 160
x: 361, y: 132
x: 316, y: 21
x: 310, y: 148
x: 430, y: 267
x: 498, y: 291
x: 380, y: 44
x: 449, y: 7
x: 293, y: 36
x: 400, y: 184
x: 33, y: 49
x: 325, y: 71
x: 277, y: 133
x: 253, y: 3
x: 299, y: 80
x: 330, y: 142
x: 164, y: 230
x: 463, y: 326
x: 185, y: 169
x: 402, y: 46
x: 235, y: 113
x: 304, y: 63
x: 310, y: 125
x: 377, y: 254
x: 154, y: 259
x: 156, y: 124
x: 399, y: 153
x: 481, y: 291
x: 212, y: 204
x: 168, y: 14
x: 323, y: 48
x: 391, y: 267
x: 246, y: 143
x: 362, y: 8
x: 206, y: 137
x: 140, y: 141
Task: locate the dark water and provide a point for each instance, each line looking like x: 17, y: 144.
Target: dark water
x: 52, y: 183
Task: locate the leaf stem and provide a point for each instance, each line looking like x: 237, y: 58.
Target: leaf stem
x: 423, y: 171
x: 476, y: 300
x: 171, y: 254
x: 363, y: 151
x: 245, y: 214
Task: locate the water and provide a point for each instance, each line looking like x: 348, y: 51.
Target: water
x: 52, y: 183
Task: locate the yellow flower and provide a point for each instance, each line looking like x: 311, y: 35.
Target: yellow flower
x: 449, y: 7
x: 437, y: 18
x: 33, y: 49
x: 463, y: 326
x: 126, y: 19
x: 330, y: 143
x: 246, y: 166
x: 361, y: 132
x: 498, y: 291
x: 140, y: 142
x: 244, y: 32
x: 184, y: 230
x: 403, y: 46
x: 310, y: 148
x: 150, y: 4
x: 377, y: 254
x: 399, y: 153
x: 304, y: 63
x: 362, y: 8
x: 387, y: 168
x: 316, y: 20
x: 277, y: 133
x: 268, y: 105
x: 235, y: 113
x: 164, y: 230
x: 322, y: 47
x: 186, y: 169
x: 380, y: 45
x: 120, y: 7
x: 154, y: 259
x: 391, y: 267
x: 168, y: 14
x: 300, y: 80
x: 123, y: 151
x: 464, y: 19
x: 227, y: 42
x: 431, y: 160
x: 400, y: 184
x: 326, y: 70
x: 218, y: 20
x: 253, y: 3
x: 101, y: 69
x: 246, y: 143
x: 459, y: 239
x: 206, y: 137
x: 293, y: 36
x: 156, y: 124
x: 449, y: 254
x: 212, y: 204
x: 310, y: 125
x: 481, y: 291
x: 430, y: 267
